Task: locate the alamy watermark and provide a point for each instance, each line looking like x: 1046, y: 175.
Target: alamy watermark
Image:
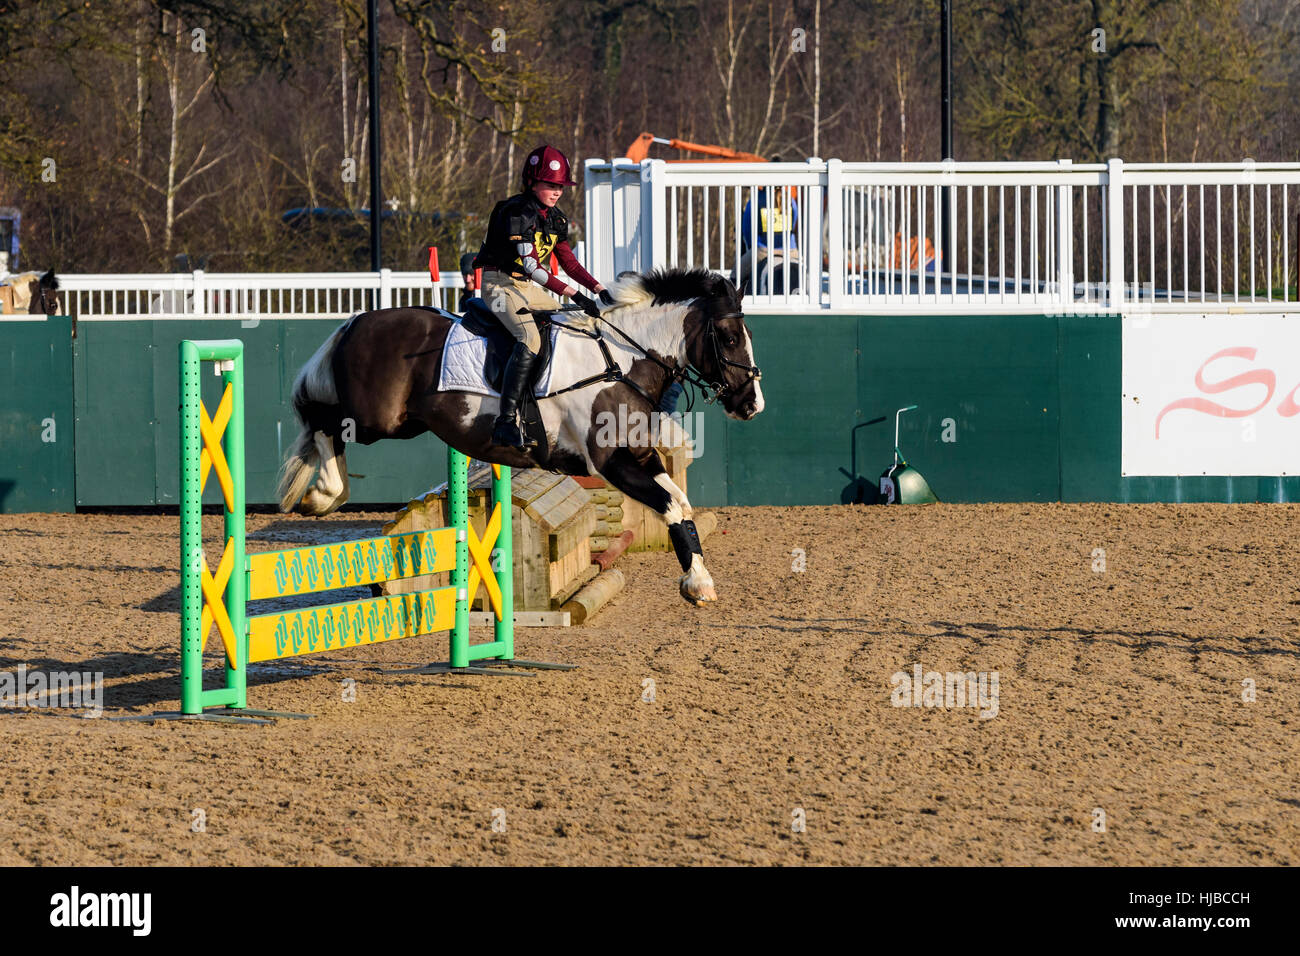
x: 74, y: 689
x: 923, y: 688
x: 632, y: 428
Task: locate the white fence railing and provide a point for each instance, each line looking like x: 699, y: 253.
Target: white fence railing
x: 254, y: 295
x: 857, y: 237
x: 248, y: 295
x: 1019, y: 236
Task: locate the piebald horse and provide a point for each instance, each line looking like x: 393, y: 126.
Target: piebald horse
x: 379, y: 375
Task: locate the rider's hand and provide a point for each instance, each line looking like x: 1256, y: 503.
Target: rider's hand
x: 605, y: 298
x: 588, y: 306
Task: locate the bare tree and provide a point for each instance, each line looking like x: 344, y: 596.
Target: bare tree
x: 188, y: 79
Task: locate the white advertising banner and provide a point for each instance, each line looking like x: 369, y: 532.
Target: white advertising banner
x: 1211, y: 394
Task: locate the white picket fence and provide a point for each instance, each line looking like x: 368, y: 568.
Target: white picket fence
x: 1027, y: 237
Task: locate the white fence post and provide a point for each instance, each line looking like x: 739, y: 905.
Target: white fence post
x: 1065, y: 239
x: 813, y: 222
x: 1115, y: 233
x: 385, y: 288
x: 198, y: 297
x: 654, y: 215
x: 626, y: 216
x: 597, y: 185
x: 835, y: 232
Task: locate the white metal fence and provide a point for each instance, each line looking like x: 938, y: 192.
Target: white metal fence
x: 1020, y: 236
x: 254, y: 296
x: 858, y: 237
x: 246, y: 296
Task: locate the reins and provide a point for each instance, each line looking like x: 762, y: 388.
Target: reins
x: 683, y: 373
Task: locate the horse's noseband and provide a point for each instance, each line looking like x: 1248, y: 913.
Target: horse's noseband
x: 752, y: 372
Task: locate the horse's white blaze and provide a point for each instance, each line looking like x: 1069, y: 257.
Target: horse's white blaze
x: 749, y: 358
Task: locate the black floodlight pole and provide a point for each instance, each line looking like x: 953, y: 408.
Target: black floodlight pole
x: 945, y: 53
x: 376, y: 197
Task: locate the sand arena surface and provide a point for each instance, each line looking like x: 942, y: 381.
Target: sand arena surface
x: 1119, y: 690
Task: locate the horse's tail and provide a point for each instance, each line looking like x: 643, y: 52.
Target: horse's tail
x: 315, y: 402
x: 297, y: 470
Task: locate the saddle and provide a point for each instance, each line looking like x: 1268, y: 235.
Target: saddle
x: 480, y: 320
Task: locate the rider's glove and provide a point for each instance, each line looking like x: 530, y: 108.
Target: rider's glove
x: 605, y: 298
x: 588, y: 306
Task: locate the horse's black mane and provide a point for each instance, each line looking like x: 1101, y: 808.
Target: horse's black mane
x: 682, y: 285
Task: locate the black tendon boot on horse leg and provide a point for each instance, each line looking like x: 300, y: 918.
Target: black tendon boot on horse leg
x: 640, y: 474
x: 518, y: 376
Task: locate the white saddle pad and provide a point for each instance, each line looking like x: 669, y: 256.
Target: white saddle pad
x: 462, y: 364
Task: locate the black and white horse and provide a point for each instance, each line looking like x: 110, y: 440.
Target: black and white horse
x: 378, y: 376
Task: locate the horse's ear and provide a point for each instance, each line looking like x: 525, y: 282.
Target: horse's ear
x: 721, y: 287
x: 728, y: 289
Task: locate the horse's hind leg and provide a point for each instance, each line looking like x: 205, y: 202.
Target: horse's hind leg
x: 331, y: 488
x: 640, y: 475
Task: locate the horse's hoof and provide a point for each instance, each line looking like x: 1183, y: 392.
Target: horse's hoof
x: 697, y: 588
x: 314, y: 504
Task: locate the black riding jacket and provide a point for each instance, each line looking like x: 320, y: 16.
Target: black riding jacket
x: 522, y: 234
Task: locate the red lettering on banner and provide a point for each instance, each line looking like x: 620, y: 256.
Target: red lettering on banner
x: 1260, y: 376
x: 1288, y: 406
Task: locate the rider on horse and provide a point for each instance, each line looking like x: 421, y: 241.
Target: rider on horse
x: 523, y: 232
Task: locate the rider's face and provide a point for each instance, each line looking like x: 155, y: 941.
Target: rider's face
x: 548, y: 193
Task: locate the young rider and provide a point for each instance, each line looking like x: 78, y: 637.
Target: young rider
x: 523, y: 232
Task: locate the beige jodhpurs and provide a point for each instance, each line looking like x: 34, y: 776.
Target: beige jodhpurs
x: 506, y: 296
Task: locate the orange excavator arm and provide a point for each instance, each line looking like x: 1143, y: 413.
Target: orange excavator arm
x: 640, y: 149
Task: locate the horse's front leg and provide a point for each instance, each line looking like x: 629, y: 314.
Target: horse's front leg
x: 639, y: 474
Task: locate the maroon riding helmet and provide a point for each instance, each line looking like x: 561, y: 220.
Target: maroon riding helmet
x: 546, y: 164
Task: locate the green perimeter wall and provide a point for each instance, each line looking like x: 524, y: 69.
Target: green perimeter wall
x: 1034, y: 403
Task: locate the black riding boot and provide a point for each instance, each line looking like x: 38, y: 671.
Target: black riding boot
x: 518, y: 376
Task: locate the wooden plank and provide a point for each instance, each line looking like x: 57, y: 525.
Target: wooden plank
x: 569, y: 567
x: 523, y: 618
x: 571, y: 535
x: 575, y: 585
x: 564, y: 511
x: 535, y: 485
x: 540, y: 508
x: 532, y: 577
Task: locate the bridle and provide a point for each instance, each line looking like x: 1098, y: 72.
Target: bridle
x: 685, y: 373
x: 752, y: 372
